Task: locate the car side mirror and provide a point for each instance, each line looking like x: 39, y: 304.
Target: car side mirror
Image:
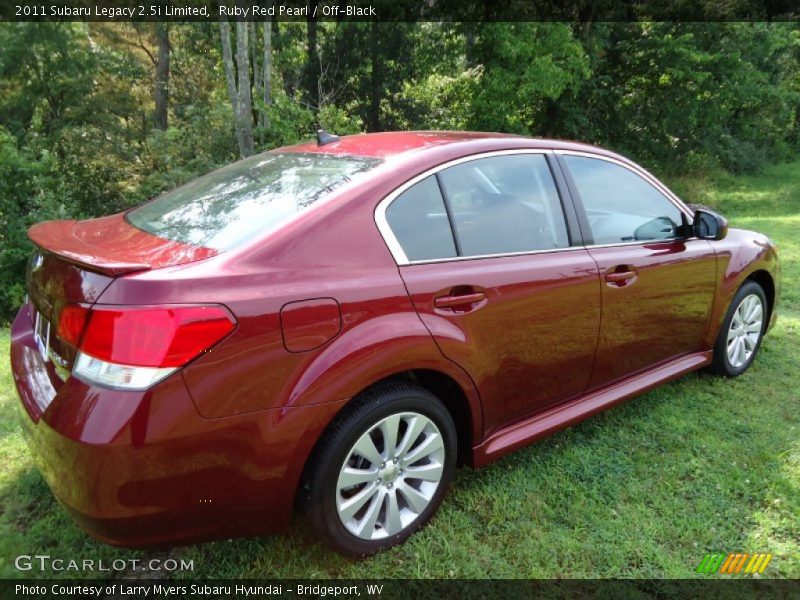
x: 709, y: 225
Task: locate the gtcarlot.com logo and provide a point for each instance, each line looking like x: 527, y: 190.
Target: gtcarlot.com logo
x: 734, y: 563
x: 44, y: 562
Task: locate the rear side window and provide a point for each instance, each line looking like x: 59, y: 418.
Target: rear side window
x: 418, y: 219
x: 505, y: 204
x: 251, y: 197
x: 620, y: 205
x: 498, y: 205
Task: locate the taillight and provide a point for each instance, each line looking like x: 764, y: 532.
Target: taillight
x: 135, y: 347
x: 71, y: 322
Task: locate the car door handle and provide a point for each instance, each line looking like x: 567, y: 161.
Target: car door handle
x: 620, y: 278
x: 459, y: 300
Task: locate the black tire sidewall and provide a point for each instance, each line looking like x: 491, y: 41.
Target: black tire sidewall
x: 721, y: 363
x: 375, y: 407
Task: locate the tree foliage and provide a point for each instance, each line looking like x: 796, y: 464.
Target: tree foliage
x: 95, y: 118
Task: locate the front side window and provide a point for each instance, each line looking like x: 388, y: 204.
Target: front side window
x: 254, y: 196
x: 620, y: 205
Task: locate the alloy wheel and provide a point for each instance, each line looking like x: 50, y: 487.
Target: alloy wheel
x: 390, y: 475
x: 745, y: 330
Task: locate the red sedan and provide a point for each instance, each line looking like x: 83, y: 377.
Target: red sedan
x: 333, y: 326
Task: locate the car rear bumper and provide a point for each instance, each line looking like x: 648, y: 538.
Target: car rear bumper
x: 145, y: 469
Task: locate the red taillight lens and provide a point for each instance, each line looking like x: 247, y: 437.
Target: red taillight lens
x: 71, y: 322
x: 151, y: 336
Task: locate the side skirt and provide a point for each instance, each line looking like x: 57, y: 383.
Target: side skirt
x: 521, y: 434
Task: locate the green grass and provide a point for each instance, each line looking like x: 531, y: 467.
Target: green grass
x: 643, y: 490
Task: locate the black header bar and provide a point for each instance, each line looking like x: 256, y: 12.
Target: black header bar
x: 398, y: 10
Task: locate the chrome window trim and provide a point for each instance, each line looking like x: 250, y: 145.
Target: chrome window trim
x: 391, y: 241
x: 636, y: 243
x: 482, y: 256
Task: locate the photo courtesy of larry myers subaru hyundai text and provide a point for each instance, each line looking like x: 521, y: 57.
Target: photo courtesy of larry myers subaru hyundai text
x: 330, y: 328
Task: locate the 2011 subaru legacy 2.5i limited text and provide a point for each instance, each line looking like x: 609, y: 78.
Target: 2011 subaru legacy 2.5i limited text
x: 334, y: 326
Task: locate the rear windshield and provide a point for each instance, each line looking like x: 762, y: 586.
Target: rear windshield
x: 253, y: 196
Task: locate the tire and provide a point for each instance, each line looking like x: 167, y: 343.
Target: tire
x: 747, y: 315
x: 384, y: 504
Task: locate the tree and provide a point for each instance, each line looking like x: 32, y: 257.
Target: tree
x: 375, y: 79
x: 239, y: 94
x: 266, y: 87
x: 161, y: 91
x: 312, y: 68
x: 244, y: 106
x: 524, y: 64
x: 364, y: 66
x: 262, y: 78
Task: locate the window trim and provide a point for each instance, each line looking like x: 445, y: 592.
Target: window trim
x: 448, y: 208
x: 577, y: 201
x: 565, y: 203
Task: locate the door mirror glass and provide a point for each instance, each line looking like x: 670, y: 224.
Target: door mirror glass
x: 709, y: 225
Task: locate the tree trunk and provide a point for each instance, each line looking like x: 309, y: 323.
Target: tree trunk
x: 244, y: 104
x: 239, y: 96
x: 469, y: 36
x: 161, y: 91
x: 254, y: 58
x: 267, y: 85
x: 375, y: 80
x: 312, y: 63
x: 227, y: 61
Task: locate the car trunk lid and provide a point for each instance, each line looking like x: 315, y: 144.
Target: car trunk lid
x: 77, y: 260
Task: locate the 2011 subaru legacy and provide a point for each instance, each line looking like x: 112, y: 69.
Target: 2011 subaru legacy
x: 334, y: 326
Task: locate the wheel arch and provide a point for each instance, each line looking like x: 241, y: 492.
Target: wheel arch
x: 442, y: 385
x: 763, y: 278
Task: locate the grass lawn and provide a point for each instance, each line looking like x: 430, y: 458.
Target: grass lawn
x: 643, y: 490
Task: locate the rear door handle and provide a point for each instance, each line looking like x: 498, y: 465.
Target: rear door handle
x: 620, y: 278
x: 459, y: 300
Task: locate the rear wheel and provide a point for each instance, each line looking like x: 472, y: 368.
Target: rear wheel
x: 382, y: 470
x: 742, y: 330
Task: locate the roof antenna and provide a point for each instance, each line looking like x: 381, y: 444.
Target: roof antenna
x: 324, y: 138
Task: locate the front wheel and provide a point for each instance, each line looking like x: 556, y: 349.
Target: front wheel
x: 382, y: 470
x: 742, y: 330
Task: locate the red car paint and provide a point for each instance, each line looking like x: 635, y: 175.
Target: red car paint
x: 322, y: 312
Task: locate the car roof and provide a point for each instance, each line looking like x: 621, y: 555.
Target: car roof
x: 391, y: 144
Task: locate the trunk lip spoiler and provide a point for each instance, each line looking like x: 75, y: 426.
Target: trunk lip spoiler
x: 61, y: 239
x: 52, y: 235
